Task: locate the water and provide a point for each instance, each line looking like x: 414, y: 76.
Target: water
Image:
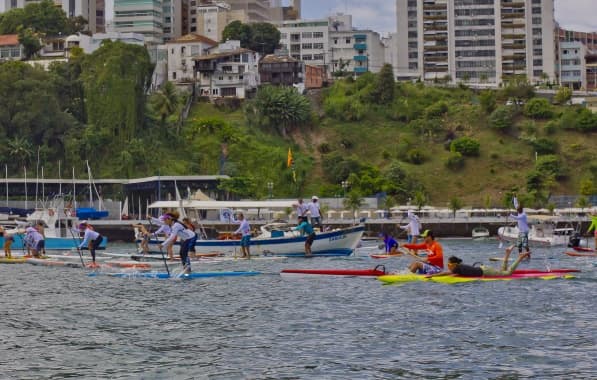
x: 60, y: 323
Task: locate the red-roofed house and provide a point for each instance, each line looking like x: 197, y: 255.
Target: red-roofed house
x: 181, y: 53
x: 10, y: 48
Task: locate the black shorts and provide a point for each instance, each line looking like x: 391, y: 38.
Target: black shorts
x: 310, y: 239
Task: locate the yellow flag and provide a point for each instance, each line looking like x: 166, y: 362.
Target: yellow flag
x: 289, y: 160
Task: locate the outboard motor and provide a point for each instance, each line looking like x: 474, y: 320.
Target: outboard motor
x: 574, y: 240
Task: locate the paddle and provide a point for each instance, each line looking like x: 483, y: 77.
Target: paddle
x: 164, y: 258
x: 78, y: 249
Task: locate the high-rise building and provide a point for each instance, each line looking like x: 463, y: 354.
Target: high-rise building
x: 210, y: 19
x: 258, y: 10
x: 140, y: 16
x: 72, y: 8
x: 483, y: 41
x: 100, y: 16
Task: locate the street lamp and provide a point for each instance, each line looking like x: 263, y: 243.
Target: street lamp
x: 345, y: 185
x: 270, y: 187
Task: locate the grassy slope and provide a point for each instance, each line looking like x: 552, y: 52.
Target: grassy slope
x: 503, y: 163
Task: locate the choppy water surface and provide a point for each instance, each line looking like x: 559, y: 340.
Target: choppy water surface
x: 60, y: 323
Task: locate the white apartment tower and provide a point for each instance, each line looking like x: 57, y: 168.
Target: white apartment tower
x: 140, y: 16
x: 478, y: 41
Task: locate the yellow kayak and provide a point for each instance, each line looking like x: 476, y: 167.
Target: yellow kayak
x: 13, y: 260
x: 410, y: 277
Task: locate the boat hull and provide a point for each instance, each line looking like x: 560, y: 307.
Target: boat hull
x: 510, y: 234
x: 411, y: 277
x: 333, y: 272
x: 53, y: 243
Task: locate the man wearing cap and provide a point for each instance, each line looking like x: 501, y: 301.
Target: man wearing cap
x: 92, y: 237
x: 434, y: 262
x: 314, y: 212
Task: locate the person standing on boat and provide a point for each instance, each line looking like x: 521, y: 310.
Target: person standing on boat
x: 34, y: 241
x: 301, y: 209
x: 179, y: 230
x: 455, y: 266
x: 434, y: 262
x: 8, y: 240
x: 92, y: 238
x: 315, y: 212
x: 413, y: 228
x: 523, y: 229
x: 245, y: 230
x: 306, y: 229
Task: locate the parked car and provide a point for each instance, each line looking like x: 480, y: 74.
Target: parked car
x: 511, y: 102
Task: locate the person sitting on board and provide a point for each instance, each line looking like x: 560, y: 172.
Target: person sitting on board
x: 306, y: 229
x: 39, y: 226
x: 523, y: 229
x: 245, y: 230
x: 391, y: 245
x: 92, y: 238
x: 187, y: 222
x: 455, y: 266
x: 179, y: 230
x: 144, y: 236
x: 35, y: 241
x: 434, y: 262
x: 163, y: 229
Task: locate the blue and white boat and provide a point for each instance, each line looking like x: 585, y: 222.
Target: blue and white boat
x: 276, y: 239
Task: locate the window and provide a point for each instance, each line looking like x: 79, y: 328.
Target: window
x: 318, y: 46
x: 174, y: 75
x: 317, y: 34
x: 307, y: 35
x: 348, y: 40
x: 229, y: 91
x: 308, y: 46
x: 335, y: 41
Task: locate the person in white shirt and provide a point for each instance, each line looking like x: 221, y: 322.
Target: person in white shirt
x: 163, y: 229
x: 91, y: 236
x: 178, y: 229
x: 413, y: 228
x: 301, y: 209
x: 245, y: 230
x: 35, y: 241
x: 315, y: 212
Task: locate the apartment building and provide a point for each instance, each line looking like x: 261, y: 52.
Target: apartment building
x: 258, y: 10
x: 478, y: 41
x: 140, y: 16
x: 181, y: 52
x: 210, y: 19
x: 333, y: 43
x: 577, y: 59
x: 10, y: 48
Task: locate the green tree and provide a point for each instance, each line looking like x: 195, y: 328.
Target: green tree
x: 420, y: 199
x: 582, y: 202
x: 501, y: 119
x: 116, y: 78
x: 236, y: 30
x: 265, y: 38
x: 385, y: 85
x: 20, y: 149
x: 466, y: 146
x: 279, y: 109
x: 30, y: 40
x: 538, y: 108
x: 563, y: 95
x: 165, y: 102
x: 455, y: 205
x: 354, y: 202
x: 488, y: 101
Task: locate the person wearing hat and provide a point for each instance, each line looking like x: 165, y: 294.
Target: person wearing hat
x: 314, y: 211
x: 434, y: 262
x: 306, y: 229
x: 455, y: 266
x: 179, y: 230
x: 34, y: 241
x: 91, y: 237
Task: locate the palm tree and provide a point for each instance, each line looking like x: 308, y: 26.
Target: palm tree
x: 354, y: 202
x: 455, y: 205
x: 20, y: 149
x: 420, y: 200
x: 165, y: 102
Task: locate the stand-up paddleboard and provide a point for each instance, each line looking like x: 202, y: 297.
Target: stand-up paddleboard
x: 452, y: 279
x: 579, y: 254
x: 385, y: 255
x: 13, y: 260
x: 53, y: 263
x: 164, y: 275
x: 377, y: 271
x: 132, y: 264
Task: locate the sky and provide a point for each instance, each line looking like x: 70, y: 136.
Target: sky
x: 380, y: 15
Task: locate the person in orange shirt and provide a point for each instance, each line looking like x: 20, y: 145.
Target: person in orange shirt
x: 434, y: 263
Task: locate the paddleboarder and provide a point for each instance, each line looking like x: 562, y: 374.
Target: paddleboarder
x: 390, y: 243
x: 8, y: 240
x: 434, y: 262
x: 34, y: 241
x: 455, y: 266
x: 245, y: 230
x: 523, y: 229
x: 413, y: 227
x: 189, y: 224
x: 179, y: 230
x: 306, y: 229
x: 163, y: 229
x: 593, y: 226
x: 91, y: 238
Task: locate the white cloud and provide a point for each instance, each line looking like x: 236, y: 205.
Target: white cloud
x: 577, y: 14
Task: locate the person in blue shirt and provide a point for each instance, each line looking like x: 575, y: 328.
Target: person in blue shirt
x: 390, y: 243
x: 306, y: 229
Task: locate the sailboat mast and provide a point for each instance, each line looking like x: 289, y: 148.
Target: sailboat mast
x: 6, y: 170
x: 74, y: 191
x: 90, y: 189
x: 25, y: 169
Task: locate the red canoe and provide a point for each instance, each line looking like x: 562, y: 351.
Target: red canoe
x: 578, y: 254
x: 583, y: 249
x: 379, y: 270
x: 544, y: 271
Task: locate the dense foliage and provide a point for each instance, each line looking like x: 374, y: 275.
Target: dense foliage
x: 261, y: 37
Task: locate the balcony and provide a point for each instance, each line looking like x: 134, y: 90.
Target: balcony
x: 514, y: 4
x: 360, y: 70
x: 513, y: 46
x: 360, y: 46
x: 360, y: 37
x: 513, y: 25
x: 360, y: 58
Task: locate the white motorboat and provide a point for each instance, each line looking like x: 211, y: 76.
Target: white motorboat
x: 480, y: 233
x: 543, y: 232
